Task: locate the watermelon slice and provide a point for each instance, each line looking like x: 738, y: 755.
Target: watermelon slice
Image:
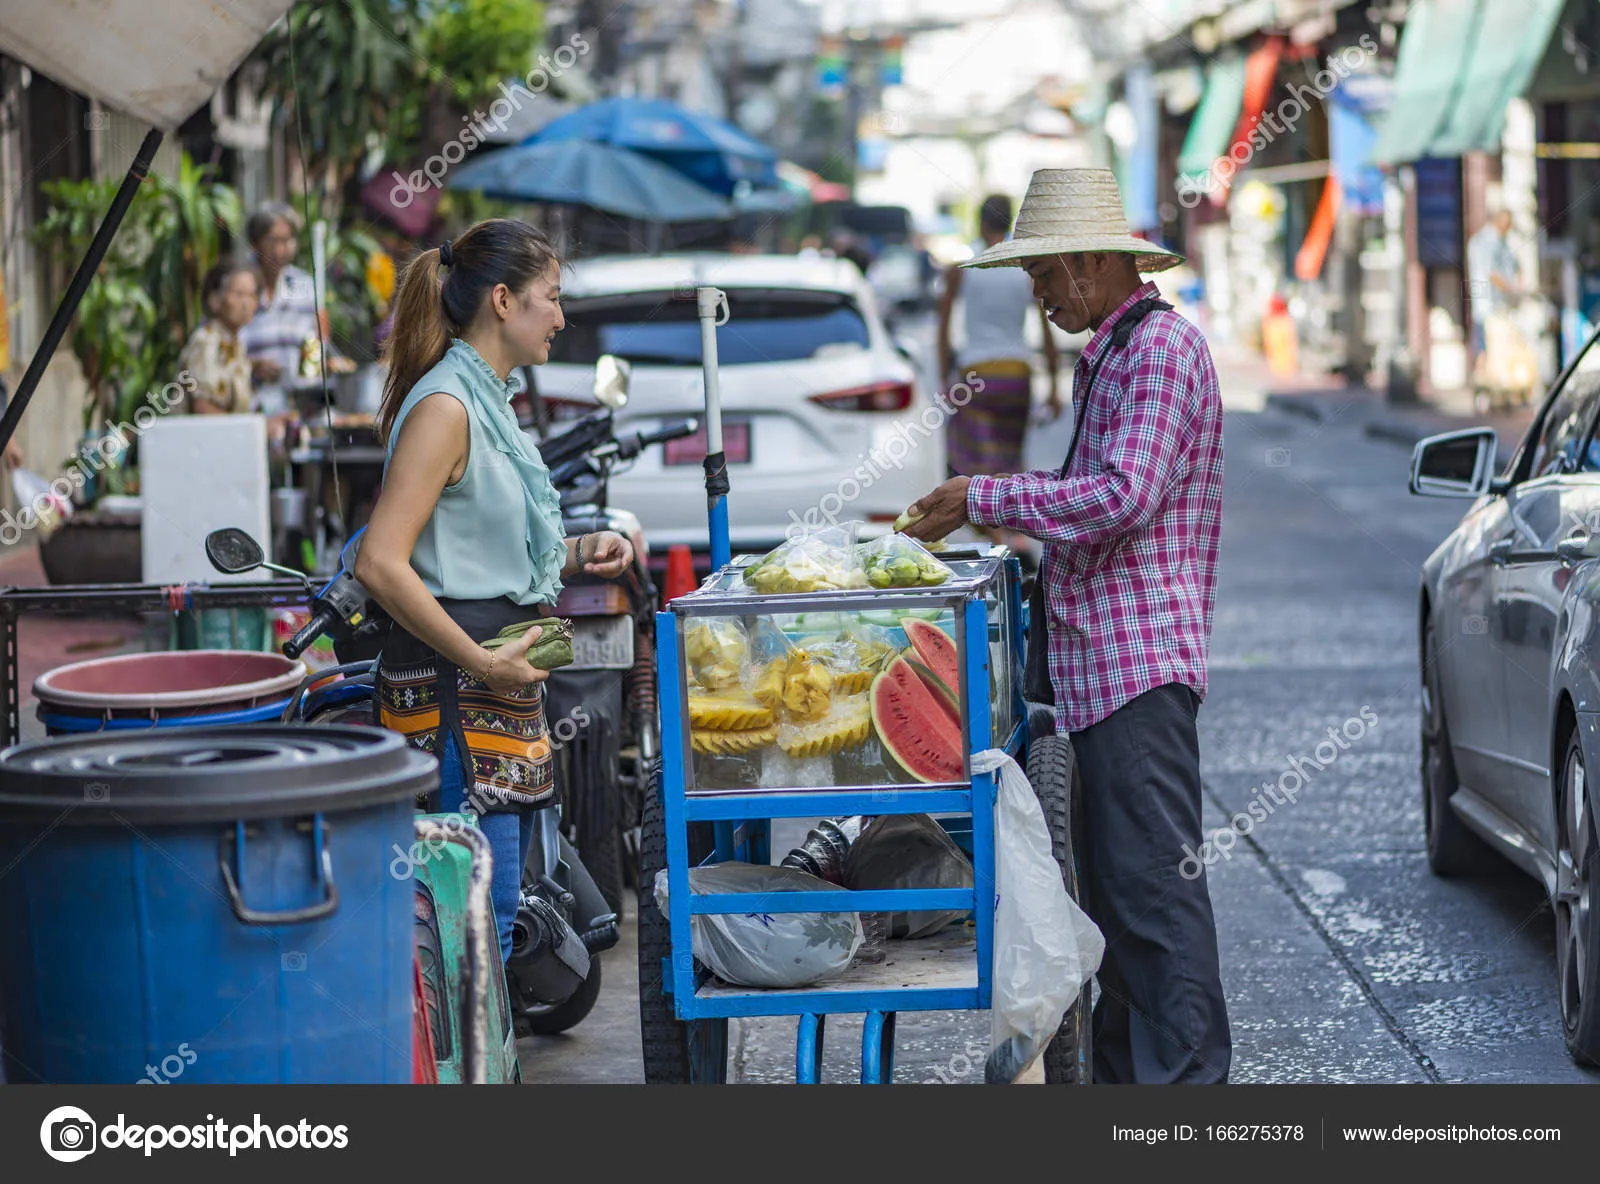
x: 936, y: 650
x: 914, y: 725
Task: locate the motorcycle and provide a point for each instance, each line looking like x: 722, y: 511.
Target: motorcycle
x: 603, y: 706
x: 564, y: 922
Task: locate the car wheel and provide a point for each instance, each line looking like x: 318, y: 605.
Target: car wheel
x: 1453, y: 850
x: 1577, y: 921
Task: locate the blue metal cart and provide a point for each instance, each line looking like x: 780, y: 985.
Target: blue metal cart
x: 684, y: 1010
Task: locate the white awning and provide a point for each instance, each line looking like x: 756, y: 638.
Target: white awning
x: 157, y: 62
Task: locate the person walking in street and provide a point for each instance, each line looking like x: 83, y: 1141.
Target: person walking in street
x: 985, y: 436
x: 466, y: 537
x: 214, y: 356
x: 1130, y: 525
x: 1491, y: 275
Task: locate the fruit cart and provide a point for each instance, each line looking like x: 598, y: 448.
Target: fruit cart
x: 939, y: 680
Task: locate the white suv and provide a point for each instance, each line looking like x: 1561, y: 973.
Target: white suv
x: 824, y: 418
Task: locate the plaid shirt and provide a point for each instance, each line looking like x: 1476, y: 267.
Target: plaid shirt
x: 1130, y: 557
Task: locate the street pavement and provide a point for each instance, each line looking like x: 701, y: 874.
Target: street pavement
x: 1343, y: 958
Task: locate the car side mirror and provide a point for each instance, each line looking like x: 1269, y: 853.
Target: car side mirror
x: 1455, y: 464
x: 903, y: 347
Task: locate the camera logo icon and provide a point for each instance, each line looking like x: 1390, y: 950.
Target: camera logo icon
x: 97, y: 791
x: 96, y: 121
x: 1476, y: 626
x: 1277, y: 458
x: 293, y: 961
x: 67, y: 1134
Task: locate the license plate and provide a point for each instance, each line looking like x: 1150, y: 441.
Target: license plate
x: 691, y: 450
x: 602, y: 643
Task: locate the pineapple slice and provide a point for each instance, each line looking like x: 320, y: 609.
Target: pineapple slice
x: 728, y: 711
x: 808, y: 689
x: 847, y: 725
x: 728, y: 743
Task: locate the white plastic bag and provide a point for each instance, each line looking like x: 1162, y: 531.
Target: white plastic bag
x: 1045, y: 946
x: 760, y: 949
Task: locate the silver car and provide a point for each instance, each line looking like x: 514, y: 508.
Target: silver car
x: 1510, y: 648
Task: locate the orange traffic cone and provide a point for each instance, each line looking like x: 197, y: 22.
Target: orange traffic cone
x: 680, y: 571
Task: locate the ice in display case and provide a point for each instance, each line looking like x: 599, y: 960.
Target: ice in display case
x: 861, y: 687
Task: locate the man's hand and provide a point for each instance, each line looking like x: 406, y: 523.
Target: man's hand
x: 13, y: 454
x: 265, y: 370
x: 940, y: 512
x: 609, y: 554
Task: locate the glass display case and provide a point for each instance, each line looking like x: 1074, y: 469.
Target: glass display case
x: 858, y: 687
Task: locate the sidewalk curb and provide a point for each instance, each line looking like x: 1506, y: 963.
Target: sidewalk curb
x: 1301, y: 405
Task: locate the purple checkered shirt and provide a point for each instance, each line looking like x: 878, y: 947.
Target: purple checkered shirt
x: 1131, y: 534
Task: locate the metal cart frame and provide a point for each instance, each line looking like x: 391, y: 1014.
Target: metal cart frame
x: 740, y: 822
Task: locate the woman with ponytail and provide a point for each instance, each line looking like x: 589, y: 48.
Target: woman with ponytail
x: 466, y: 537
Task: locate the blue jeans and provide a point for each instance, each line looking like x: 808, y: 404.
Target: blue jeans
x: 510, y: 836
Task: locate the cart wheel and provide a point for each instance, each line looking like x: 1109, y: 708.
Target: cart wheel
x: 675, y: 1052
x: 1052, y: 770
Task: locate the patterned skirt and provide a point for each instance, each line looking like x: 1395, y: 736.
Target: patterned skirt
x: 507, y: 737
x: 984, y: 438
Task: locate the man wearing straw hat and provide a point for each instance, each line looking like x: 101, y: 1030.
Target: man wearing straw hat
x: 1130, y: 526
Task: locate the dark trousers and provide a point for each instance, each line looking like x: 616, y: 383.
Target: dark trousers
x: 1161, y: 1015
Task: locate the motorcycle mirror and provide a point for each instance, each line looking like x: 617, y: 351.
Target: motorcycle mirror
x: 232, y: 551
x: 611, y: 377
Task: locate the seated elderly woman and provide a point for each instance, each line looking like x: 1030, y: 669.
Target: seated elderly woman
x: 214, y: 357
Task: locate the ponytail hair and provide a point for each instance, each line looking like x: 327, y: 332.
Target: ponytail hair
x: 435, y: 301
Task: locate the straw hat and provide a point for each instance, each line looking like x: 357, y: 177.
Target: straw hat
x: 1071, y: 210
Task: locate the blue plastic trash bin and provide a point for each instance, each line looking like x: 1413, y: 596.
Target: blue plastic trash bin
x: 217, y: 901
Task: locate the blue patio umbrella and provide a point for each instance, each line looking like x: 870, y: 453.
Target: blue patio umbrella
x: 702, y: 147
x: 578, y: 172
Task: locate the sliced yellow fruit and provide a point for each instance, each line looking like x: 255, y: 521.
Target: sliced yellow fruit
x: 729, y: 743
x: 728, y: 712
x: 852, y: 682
x: 847, y: 725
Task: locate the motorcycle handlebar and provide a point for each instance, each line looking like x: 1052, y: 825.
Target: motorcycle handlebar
x: 321, y: 621
x: 637, y: 443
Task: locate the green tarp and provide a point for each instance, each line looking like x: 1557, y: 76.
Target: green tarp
x: 1460, y: 63
x: 1211, y: 131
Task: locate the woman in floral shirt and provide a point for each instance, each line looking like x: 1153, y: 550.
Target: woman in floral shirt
x: 214, y: 356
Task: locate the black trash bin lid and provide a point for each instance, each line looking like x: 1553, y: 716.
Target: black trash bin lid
x: 199, y: 774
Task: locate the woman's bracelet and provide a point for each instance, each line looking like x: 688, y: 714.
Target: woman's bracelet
x: 484, y: 677
x: 581, y: 560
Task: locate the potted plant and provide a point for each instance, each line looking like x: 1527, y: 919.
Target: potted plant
x: 135, y: 317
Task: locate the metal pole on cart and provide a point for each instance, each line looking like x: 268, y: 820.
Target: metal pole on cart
x: 712, y: 305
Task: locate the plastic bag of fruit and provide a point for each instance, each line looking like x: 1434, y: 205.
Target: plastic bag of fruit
x: 895, y: 561
x: 823, y: 561
x: 717, y: 649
